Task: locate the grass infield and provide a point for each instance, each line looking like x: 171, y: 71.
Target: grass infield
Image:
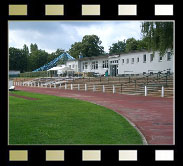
x: 57, y: 120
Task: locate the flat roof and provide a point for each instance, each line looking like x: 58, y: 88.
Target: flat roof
x: 109, y: 55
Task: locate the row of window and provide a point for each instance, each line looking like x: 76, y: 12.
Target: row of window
x: 106, y: 64
x: 145, y: 58
x: 95, y: 65
x: 72, y: 66
x: 115, y: 61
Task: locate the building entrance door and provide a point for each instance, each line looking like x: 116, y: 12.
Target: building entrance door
x: 113, y: 70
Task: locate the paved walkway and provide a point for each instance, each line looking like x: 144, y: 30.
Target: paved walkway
x: 153, y: 116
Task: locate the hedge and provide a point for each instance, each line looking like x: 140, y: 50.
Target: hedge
x: 34, y: 74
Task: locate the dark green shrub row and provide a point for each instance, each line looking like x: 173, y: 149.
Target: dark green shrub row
x: 34, y: 74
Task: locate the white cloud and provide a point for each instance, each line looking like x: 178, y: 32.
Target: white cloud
x: 52, y: 35
x: 110, y: 32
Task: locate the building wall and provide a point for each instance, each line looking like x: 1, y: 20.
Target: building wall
x: 14, y: 72
x: 73, y: 65
x: 90, y: 63
x: 126, y: 68
x: 141, y: 66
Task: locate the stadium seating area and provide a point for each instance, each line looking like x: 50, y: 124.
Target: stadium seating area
x: 131, y: 85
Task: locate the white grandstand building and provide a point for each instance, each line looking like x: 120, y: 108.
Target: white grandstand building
x: 138, y: 62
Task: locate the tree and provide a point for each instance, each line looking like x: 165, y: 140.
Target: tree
x: 75, y: 49
x: 159, y: 35
x: 91, y: 46
x: 37, y: 57
x: 26, y: 49
x: 88, y: 47
x: 41, y: 58
x: 118, y: 47
x: 26, y: 53
x: 33, y: 48
x: 17, y: 59
x: 142, y: 45
x: 21, y: 59
x: 131, y: 44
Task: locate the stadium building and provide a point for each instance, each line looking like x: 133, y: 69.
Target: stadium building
x: 132, y: 63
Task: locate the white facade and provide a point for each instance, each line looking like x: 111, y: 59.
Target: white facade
x: 138, y: 63
x: 14, y: 72
x: 74, y: 65
x: 126, y: 63
x: 95, y: 66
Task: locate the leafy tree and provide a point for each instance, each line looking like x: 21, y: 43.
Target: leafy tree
x: 26, y: 53
x: 118, y: 47
x: 21, y: 59
x: 37, y: 57
x: 142, y: 44
x: 26, y: 49
x: 89, y: 46
x: 41, y: 58
x: 17, y: 59
x: 33, y: 48
x: 131, y: 44
x: 75, y: 49
x: 159, y: 35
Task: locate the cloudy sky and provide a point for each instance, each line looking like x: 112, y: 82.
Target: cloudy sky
x: 50, y: 35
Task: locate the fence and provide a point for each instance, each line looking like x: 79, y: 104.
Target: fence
x: 118, y: 88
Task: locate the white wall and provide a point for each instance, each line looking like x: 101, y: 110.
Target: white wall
x: 14, y: 72
x: 10, y: 83
x: 148, y: 66
x: 124, y: 68
x: 100, y: 69
x: 73, y: 65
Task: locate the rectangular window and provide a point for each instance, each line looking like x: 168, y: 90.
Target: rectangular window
x: 144, y: 58
x: 127, y: 61
x: 132, y: 60
x: 168, y: 56
x: 151, y: 57
x: 123, y: 61
x: 137, y: 59
x: 95, y: 65
x: 160, y: 58
x: 105, y: 64
x: 85, y: 65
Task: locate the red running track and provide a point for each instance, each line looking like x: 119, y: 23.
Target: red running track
x: 153, y: 116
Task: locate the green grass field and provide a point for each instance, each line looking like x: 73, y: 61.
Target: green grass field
x: 57, y: 120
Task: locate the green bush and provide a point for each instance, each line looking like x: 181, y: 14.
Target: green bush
x: 34, y: 74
